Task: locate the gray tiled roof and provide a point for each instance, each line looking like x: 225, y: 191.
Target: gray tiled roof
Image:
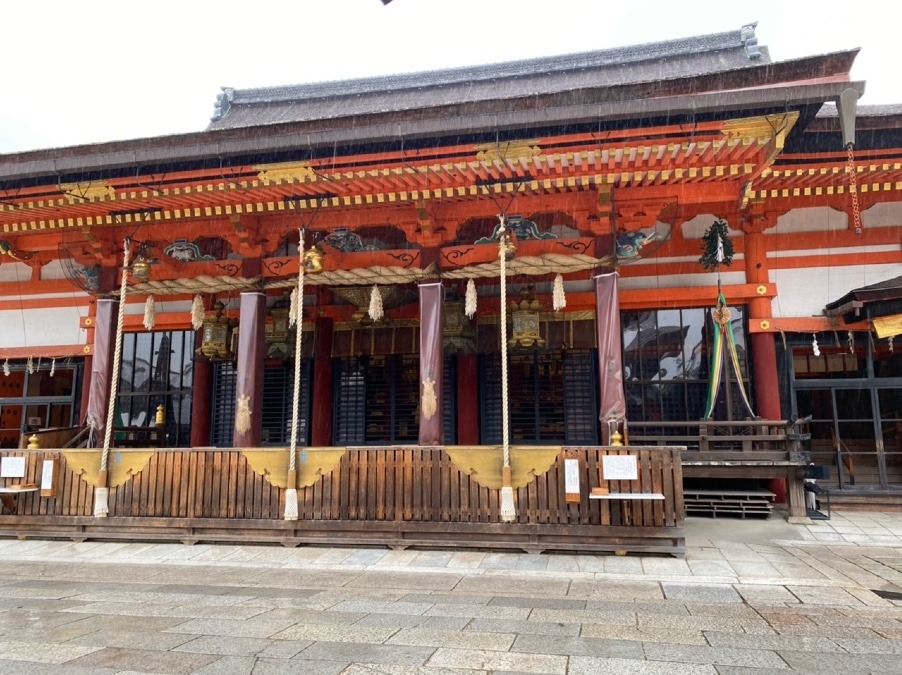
x: 653, y: 62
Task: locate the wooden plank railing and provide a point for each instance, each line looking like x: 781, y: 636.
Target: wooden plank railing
x: 771, y: 439
x: 401, y: 487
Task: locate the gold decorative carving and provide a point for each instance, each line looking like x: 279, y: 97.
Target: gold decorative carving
x: 312, y: 464
x: 484, y: 463
x: 765, y: 324
x: 287, y: 171
x: 761, y: 290
x: 527, y: 148
x: 88, y: 191
x: 764, y: 127
x: 122, y: 464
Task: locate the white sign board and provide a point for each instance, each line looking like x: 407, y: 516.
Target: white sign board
x: 12, y: 467
x: 620, y: 467
x: 571, y: 475
x: 47, y: 475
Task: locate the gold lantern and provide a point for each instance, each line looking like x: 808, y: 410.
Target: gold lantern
x: 217, y: 336
x: 458, y: 332
x: 525, y: 321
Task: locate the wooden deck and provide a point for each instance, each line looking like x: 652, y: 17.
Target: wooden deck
x: 394, y: 496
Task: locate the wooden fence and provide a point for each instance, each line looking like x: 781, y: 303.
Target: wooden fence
x: 394, y: 496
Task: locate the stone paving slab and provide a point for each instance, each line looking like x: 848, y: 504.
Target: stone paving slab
x: 765, y: 599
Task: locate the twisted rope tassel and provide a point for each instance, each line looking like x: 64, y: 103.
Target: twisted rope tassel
x: 297, y: 310
x: 197, y: 312
x: 508, y: 510
x: 102, y: 491
x: 150, y: 313
x: 376, y: 311
x: 559, y: 300
x: 470, y: 299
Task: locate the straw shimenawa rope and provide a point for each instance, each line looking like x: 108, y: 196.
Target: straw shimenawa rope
x: 102, y: 491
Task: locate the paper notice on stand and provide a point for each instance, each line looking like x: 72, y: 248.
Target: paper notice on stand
x: 620, y: 467
x: 571, y: 480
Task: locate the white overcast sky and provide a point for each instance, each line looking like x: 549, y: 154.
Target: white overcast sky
x: 103, y: 70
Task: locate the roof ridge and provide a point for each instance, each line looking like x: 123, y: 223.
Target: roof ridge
x: 743, y: 38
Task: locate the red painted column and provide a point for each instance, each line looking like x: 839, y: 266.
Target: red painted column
x: 467, y: 400
x: 321, y: 422
x: 201, y: 396
x: 763, y: 348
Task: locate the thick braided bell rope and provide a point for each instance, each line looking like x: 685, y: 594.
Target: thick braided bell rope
x: 291, y: 494
x: 508, y: 510
x: 101, y: 493
x: 505, y: 418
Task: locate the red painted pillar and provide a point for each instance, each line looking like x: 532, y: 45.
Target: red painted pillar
x: 201, y: 399
x: 763, y: 348
x: 321, y: 423
x: 467, y: 400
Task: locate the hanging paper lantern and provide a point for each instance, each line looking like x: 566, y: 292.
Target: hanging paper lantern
x: 376, y: 311
x: 197, y: 312
x: 559, y: 300
x: 6, y: 367
x: 815, y: 348
x: 470, y: 299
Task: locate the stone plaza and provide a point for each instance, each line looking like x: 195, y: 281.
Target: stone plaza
x: 750, y: 595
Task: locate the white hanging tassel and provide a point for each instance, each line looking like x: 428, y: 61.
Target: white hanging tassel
x: 101, y: 501
x: 815, y: 348
x: 293, y: 307
x: 53, y: 367
x: 470, y: 299
x: 197, y: 312
x: 150, y: 313
x: 429, y: 401
x: 559, y: 300
x: 291, y: 504
x: 243, y: 415
x: 6, y: 367
x: 29, y: 365
x: 376, y: 312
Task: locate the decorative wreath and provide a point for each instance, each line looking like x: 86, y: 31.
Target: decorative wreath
x: 717, y: 233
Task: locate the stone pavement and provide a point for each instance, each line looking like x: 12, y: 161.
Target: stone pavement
x: 750, y: 596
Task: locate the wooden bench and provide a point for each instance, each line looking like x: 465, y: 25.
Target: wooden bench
x: 740, y: 503
x: 9, y: 495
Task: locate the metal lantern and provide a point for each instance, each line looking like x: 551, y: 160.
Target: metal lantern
x: 458, y: 332
x: 525, y: 321
x: 141, y: 269
x: 217, y: 336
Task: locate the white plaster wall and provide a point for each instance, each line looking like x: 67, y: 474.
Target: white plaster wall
x: 695, y: 227
x: 884, y: 214
x: 681, y: 280
x: 812, y: 219
x: 41, y: 327
x: 14, y: 271
x: 805, y: 291
x: 161, y: 306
